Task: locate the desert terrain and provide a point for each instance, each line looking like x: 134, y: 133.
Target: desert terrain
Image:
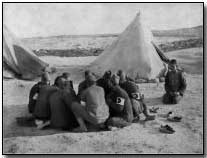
x: 139, y: 138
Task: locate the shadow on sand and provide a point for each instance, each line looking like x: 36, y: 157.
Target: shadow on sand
x: 16, y: 122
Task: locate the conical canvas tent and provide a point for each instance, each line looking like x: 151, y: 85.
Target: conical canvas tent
x: 17, y: 58
x: 132, y: 52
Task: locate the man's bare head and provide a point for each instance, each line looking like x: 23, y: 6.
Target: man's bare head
x: 115, y: 79
x: 173, y: 65
x: 122, y: 75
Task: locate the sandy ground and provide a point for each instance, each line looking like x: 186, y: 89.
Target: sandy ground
x: 140, y: 138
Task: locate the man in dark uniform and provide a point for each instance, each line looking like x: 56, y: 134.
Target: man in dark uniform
x: 175, y: 84
x: 34, y: 92
x: 60, y: 103
x: 137, y: 99
x: 119, y: 102
x: 105, y: 82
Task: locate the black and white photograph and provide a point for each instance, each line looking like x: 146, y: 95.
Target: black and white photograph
x: 103, y: 78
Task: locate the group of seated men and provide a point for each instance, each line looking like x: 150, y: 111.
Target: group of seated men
x: 112, y: 100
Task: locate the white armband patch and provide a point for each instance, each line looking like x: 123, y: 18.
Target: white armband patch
x: 83, y: 103
x: 120, y: 101
x: 35, y: 96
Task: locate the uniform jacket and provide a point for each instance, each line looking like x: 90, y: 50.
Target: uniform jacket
x: 175, y: 82
x: 118, y: 92
x: 130, y: 87
x: 33, y: 95
x: 95, y: 102
x: 105, y: 84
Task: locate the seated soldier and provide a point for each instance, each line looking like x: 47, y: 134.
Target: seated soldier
x: 136, y: 98
x: 45, y: 80
x: 175, y: 84
x: 84, y: 84
x: 60, y: 103
x: 42, y: 111
x: 105, y: 82
x: 95, y: 111
x: 119, y: 102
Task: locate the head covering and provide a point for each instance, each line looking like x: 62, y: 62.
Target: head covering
x: 107, y: 74
x: 87, y: 72
x: 173, y: 62
x: 119, y: 72
x: 66, y: 75
x: 60, y: 82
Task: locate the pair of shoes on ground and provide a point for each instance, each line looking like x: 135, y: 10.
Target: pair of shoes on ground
x: 166, y: 129
x: 41, y: 124
x: 173, y: 118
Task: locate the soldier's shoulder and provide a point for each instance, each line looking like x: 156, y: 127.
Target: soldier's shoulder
x: 82, y: 83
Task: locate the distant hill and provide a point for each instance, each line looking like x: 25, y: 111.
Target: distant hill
x: 191, y: 32
x: 187, y: 32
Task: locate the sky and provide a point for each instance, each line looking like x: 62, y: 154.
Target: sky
x: 43, y: 19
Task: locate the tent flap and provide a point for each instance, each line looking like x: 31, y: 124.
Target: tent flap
x: 20, y: 59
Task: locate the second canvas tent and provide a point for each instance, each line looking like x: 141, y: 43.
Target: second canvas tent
x: 133, y: 52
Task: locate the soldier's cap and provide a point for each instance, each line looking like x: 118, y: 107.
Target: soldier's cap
x: 173, y: 62
x: 119, y: 72
x: 66, y: 74
x: 107, y: 73
x: 87, y: 72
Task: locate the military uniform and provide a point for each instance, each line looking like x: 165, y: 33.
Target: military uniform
x: 42, y: 106
x: 134, y: 94
x: 120, y: 104
x: 175, y: 82
x: 60, y: 107
x: 96, y: 110
x: 34, y: 92
x: 105, y: 84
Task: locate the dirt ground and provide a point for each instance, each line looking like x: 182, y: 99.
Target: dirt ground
x: 139, y: 138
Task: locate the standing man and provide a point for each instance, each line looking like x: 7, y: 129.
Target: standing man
x: 175, y: 84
